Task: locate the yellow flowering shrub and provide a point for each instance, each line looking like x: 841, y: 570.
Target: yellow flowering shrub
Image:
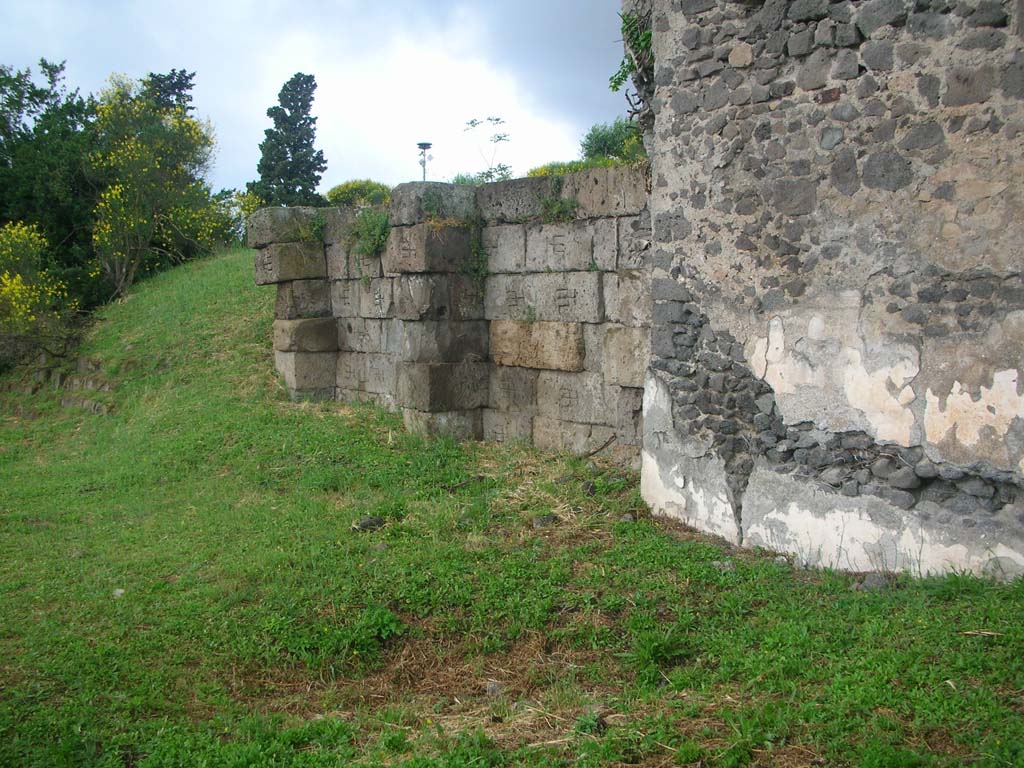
x: 30, y: 298
x: 156, y: 210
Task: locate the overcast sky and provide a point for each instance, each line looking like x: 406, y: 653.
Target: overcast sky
x: 390, y: 73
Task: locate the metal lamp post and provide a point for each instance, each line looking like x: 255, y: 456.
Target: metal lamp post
x: 424, y: 146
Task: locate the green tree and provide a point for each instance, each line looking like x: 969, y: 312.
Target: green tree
x: 155, y: 208
x: 46, y: 139
x: 359, y: 192
x: 170, y: 90
x: 290, y: 167
x: 620, y: 140
x: 32, y: 301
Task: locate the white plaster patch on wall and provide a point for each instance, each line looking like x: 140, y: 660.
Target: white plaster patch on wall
x: 783, y: 371
x: 869, y: 392
x: 995, y: 407
x: 676, y: 479
x: 882, y: 396
x: 839, y: 539
x: 684, y: 498
x: 849, y: 539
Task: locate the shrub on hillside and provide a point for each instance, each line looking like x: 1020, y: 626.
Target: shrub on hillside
x: 359, y: 193
x: 32, y: 301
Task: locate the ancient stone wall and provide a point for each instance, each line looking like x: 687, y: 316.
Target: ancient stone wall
x: 821, y: 297
x: 838, y: 317
x: 515, y: 311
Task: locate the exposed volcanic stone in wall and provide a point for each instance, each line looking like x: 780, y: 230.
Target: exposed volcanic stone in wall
x: 717, y: 398
x: 515, y: 311
x: 837, y: 207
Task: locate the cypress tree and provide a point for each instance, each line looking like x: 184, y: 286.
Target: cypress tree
x: 289, y: 166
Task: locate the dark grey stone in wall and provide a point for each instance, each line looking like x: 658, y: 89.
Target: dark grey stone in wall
x: 878, y: 13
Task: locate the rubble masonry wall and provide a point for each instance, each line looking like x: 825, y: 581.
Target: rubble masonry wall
x: 838, y: 316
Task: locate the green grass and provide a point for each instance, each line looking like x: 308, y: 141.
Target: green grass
x: 256, y: 628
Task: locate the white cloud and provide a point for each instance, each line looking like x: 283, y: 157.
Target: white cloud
x: 389, y: 75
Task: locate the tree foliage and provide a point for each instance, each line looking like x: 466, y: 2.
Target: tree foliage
x: 44, y: 149
x: 155, y: 208
x: 620, y: 140
x: 96, y: 192
x: 32, y: 301
x: 290, y: 166
x: 359, y: 192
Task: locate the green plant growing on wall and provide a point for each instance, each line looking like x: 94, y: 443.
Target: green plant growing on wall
x: 368, y: 235
x: 495, y: 171
x: 556, y: 209
x: 637, y: 62
x: 317, y: 227
x: 477, y: 267
x: 432, y: 203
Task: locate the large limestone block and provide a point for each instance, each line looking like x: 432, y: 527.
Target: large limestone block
x: 280, y: 225
x: 516, y: 200
x: 513, y: 389
x: 337, y: 261
x: 601, y: 192
x: 364, y: 267
x: 418, y: 201
x: 384, y: 400
x: 366, y: 373
x: 303, y: 298
x: 351, y: 371
x: 505, y: 246
x: 556, y: 435
x: 359, y: 334
x: 627, y: 353
x: 593, y: 340
x: 627, y: 297
x: 625, y: 408
x: 553, y: 346
x: 438, y: 297
x: 376, y: 299
x: 441, y: 341
x: 634, y: 236
x: 280, y: 262
x: 307, y: 374
x: 578, y: 246
x: 460, y: 425
x: 306, y: 335
x: 502, y: 427
x: 577, y: 397
x: 437, y: 387
x: 345, y: 296
x: 337, y: 224
x: 556, y: 297
x: 427, y: 248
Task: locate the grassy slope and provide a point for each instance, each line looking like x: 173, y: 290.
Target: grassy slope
x: 256, y: 628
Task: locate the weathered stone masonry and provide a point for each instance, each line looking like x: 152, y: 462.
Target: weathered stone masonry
x: 480, y: 320
x: 838, y: 320
x: 821, y: 297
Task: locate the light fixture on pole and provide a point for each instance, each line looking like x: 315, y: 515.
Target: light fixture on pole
x: 424, y: 157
